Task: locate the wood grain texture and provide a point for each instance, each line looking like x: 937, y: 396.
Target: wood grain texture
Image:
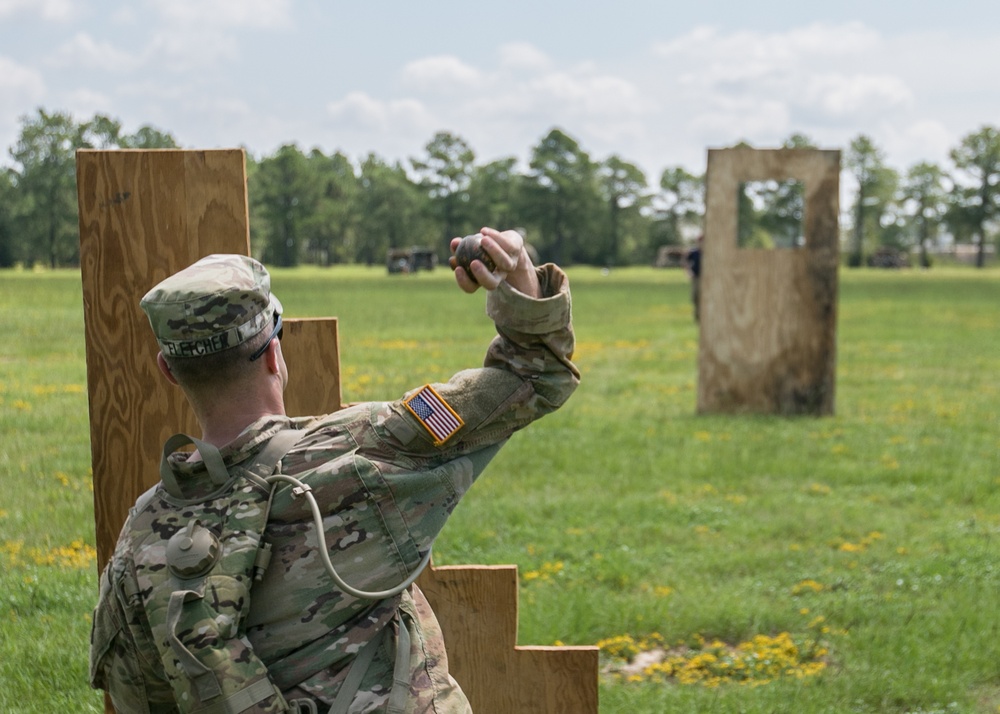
x: 768, y: 317
x: 143, y: 216
x: 312, y: 351
x: 477, y: 609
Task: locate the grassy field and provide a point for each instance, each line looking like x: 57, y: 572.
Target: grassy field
x: 843, y: 564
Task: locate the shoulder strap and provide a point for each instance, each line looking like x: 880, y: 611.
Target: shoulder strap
x: 356, y: 673
x: 400, y: 693
x: 267, y: 460
x: 259, y: 469
x: 209, y: 454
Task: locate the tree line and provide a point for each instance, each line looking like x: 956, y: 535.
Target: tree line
x: 312, y: 207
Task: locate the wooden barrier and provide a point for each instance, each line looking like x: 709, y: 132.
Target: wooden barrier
x: 145, y: 215
x: 477, y: 608
x: 768, y: 317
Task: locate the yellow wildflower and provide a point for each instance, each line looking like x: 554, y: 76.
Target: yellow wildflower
x: 806, y: 585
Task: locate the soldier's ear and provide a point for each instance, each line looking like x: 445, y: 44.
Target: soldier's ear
x: 273, y: 356
x: 161, y: 362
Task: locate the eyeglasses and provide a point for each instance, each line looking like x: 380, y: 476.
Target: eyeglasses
x: 276, y: 332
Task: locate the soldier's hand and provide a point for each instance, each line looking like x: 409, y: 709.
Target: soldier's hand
x: 506, y: 250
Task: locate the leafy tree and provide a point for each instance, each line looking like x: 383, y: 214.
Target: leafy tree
x: 286, y: 194
x: 44, y: 174
x: 623, y: 186
x: 926, y: 201
x: 867, y: 163
x: 390, y: 211
x: 494, y: 193
x: 42, y: 211
x: 783, y: 211
x: 257, y: 222
x: 749, y: 232
x: 978, y: 158
x: 446, y: 174
x: 886, y: 217
x: 561, y: 196
x: 8, y: 211
x: 960, y: 221
x: 101, y: 132
x: 798, y: 141
x: 148, y: 137
x: 770, y: 214
x: 779, y: 206
x: 329, y: 230
x: 678, y: 207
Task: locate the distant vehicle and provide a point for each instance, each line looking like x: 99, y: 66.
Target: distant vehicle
x: 670, y: 256
x: 410, y: 260
x: 886, y: 257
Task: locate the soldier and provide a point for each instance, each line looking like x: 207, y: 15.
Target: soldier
x: 692, y: 262
x: 181, y: 625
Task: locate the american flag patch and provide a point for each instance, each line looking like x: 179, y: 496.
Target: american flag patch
x: 434, y: 413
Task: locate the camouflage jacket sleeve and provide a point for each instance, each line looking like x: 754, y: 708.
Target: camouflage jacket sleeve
x: 527, y: 373
x: 123, y: 657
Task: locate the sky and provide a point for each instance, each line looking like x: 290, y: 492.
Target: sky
x: 654, y: 82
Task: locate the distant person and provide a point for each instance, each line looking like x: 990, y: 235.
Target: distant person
x: 193, y: 616
x: 692, y: 262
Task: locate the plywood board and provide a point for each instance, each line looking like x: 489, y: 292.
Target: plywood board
x: 477, y: 609
x: 768, y: 317
x: 143, y: 216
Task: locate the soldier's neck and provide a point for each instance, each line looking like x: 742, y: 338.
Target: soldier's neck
x: 224, y: 419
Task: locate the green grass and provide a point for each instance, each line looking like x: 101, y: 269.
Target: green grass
x: 626, y: 513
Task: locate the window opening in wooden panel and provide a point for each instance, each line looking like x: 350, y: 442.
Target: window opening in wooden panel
x: 770, y: 214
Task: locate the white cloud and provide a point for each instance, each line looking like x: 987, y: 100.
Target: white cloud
x: 361, y: 111
x: 193, y: 67
x: 847, y: 95
x: 85, y: 103
x: 754, y: 62
x: 922, y: 140
x: 395, y: 129
x: 586, y: 95
x: 443, y: 72
x: 86, y: 52
x: 18, y: 83
x: 508, y: 111
x: 523, y: 56
x: 189, y: 50
x: 125, y: 15
x: 268, y: 14
x: 731, y: 120
x: 198, y: 36
x: 53, y: 10
x: 736, y: 49
x: 850, y: 39
x: 830, y: 82
x: 21, y: 90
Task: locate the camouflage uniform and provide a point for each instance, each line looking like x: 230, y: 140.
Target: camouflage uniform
x: 386, y: 483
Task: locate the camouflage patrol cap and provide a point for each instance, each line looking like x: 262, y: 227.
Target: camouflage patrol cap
x: 213, y: 305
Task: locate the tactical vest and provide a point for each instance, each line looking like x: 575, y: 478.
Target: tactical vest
x: 195, y: 566
x: 195, y: 585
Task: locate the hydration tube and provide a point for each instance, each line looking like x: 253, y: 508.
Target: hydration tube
x: 303, y: 489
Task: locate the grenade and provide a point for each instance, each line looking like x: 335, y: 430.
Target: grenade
x: 470, y: 248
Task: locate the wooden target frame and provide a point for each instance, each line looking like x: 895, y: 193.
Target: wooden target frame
x: 769, y: 316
